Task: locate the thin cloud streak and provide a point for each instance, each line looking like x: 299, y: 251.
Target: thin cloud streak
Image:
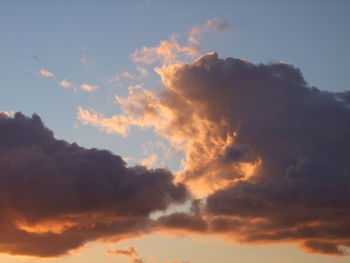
x: 44, y: 73
x: 142, y: 73
x: 88, y: 87
x: 130, y: 252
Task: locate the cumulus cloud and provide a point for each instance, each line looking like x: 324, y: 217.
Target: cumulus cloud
x: 56, y: 196
x: 88, y: 87
x: 269, y: 151
x: 65, y: 83
x: 44, y: 73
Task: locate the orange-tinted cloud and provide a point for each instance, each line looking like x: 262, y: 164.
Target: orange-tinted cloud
x: 44, y: 73
x: 6, y: 113
x: 88, y: 87
x: 56, y: 196
x: 269, y: 152
x: 150, y: 160
x: 65, y: 83
x: 171, y: 51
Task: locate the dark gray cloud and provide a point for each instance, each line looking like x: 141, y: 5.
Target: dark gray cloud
x: 268, y: 151
x: 56, y: 196
x: 275, y: 150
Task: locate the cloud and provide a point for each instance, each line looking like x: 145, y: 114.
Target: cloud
x: 88, y: 87
x: 215, y: 25
x: 171, y: 51
x: 56, y: 196
x: 142, y: 73
x: 130, y: 252
x: 85, y: 59
x: 65, y: 83
x: 44, y: 73
x: 116, y: 124
x: 150, y: 160
x: 6, y: 113
x: 268, y: 151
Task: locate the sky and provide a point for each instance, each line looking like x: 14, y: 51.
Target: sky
x: 174, y: 132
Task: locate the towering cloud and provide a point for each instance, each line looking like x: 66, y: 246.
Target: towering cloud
x: 56, y: 196
x: 270, y: 152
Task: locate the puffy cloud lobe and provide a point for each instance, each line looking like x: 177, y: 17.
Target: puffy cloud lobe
x: 271, y: 151
x: 56, y: 196
x: 298, y: 137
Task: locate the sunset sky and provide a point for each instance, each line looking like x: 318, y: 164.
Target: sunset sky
x: 174, y: 131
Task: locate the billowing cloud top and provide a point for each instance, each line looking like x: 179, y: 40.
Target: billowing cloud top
x: 55, y: 196
x: 270, y: 152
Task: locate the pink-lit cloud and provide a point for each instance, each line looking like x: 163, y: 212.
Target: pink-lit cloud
x: 44, y: 73
x: 268, y: 151
x: 150, y: 160
x: 88, y: 87
x: 65, y: 84
x: 172, y: 51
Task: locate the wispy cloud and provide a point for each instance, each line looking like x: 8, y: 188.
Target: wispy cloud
x: 130, y: 252
x: 44, y: 73
x: 150, y: 160
x: 88, y: 87
x: 65, y: 83
x: 110, y: 125
x: 85, y: 59
x: 142, y: 73
x: 171, y: 51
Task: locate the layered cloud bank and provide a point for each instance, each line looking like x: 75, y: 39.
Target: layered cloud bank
x: 269, y: 152
x: 56, y: 196
x: 265, y: 155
